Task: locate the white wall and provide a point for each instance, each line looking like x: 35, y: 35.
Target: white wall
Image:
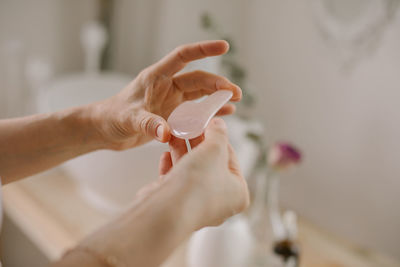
x: 146, y: 30
x: 48, y: 30
x: 134, y: 32
x: 347, y: 124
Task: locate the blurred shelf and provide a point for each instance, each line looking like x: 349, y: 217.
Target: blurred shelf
x: 50, y: 211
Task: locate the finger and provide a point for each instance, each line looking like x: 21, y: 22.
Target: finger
x: 177, y: 148
x: 152, y: 125
x: 165, y: 163
x: 180, y: 56
x: 234, y: 168
x: 233, y: 164
x: 196, y: 141
x: 227, y: 109
x: 214, y: 147
x: 198, y: 83
x: 216, y: 133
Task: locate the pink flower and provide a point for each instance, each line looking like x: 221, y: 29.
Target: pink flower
x: 283, y: 155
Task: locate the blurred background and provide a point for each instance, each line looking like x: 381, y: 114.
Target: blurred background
x: 325, y: 75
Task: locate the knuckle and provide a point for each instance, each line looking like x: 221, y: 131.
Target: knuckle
x: 147, y: 124
x: 150, y: 78
x: 223, y: 80
x: 180, y: 53
x: 202, y: 51
x: 180, y: 48
x: 146, y: 75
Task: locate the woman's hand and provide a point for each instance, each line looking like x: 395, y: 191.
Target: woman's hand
x: 214, y: 186
x: 196, y: 189
x: 134, y: 116
x: 139, y: 112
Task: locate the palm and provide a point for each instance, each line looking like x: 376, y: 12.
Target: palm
x: 146, y: 103
x: 163, y: 97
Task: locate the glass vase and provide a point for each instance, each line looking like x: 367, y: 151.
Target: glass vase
x: 273, y: 246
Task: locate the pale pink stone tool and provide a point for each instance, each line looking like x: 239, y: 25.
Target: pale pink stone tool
x: 190, y: 118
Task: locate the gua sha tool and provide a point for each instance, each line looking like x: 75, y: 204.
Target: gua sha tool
x: 190, y: 118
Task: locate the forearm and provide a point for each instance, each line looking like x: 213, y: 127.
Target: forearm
x: 35, y: 143
x: 145, y: 236
x: 81, y: 258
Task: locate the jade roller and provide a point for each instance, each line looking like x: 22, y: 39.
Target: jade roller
x: 190, y: 119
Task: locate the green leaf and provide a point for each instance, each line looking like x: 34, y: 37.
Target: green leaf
x: 237, y: 73
x: 254, y: 137
x: 248, y: 99
x: 206, y: 21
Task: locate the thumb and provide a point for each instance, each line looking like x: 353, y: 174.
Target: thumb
x: 216, y: 139
x: 216, y: 131
x: 154, y: 126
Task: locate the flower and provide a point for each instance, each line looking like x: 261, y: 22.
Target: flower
x: 283, y: 155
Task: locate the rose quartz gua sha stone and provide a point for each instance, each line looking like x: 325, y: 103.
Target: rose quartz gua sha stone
x: 190, y: 118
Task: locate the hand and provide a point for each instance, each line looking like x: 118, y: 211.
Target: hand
x: 214, y: 185
x: 139, y: 112
x: 196, y: 189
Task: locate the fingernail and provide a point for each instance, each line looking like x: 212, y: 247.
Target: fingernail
x: 160, y: 131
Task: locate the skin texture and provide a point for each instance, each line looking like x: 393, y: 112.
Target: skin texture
x: 133, y: 117
x: 194, y: 190
x: 144, y: 105
x: 202, y: 188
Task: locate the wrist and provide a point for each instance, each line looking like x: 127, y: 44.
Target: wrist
x: 80, y: 125
x: 190, y: 208
x: 147, y: 233
x: 113, y: 127
x: 82, y: 256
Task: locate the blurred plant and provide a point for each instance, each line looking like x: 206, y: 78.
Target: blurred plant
x: 238, y: 75
x: 234, y: 70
